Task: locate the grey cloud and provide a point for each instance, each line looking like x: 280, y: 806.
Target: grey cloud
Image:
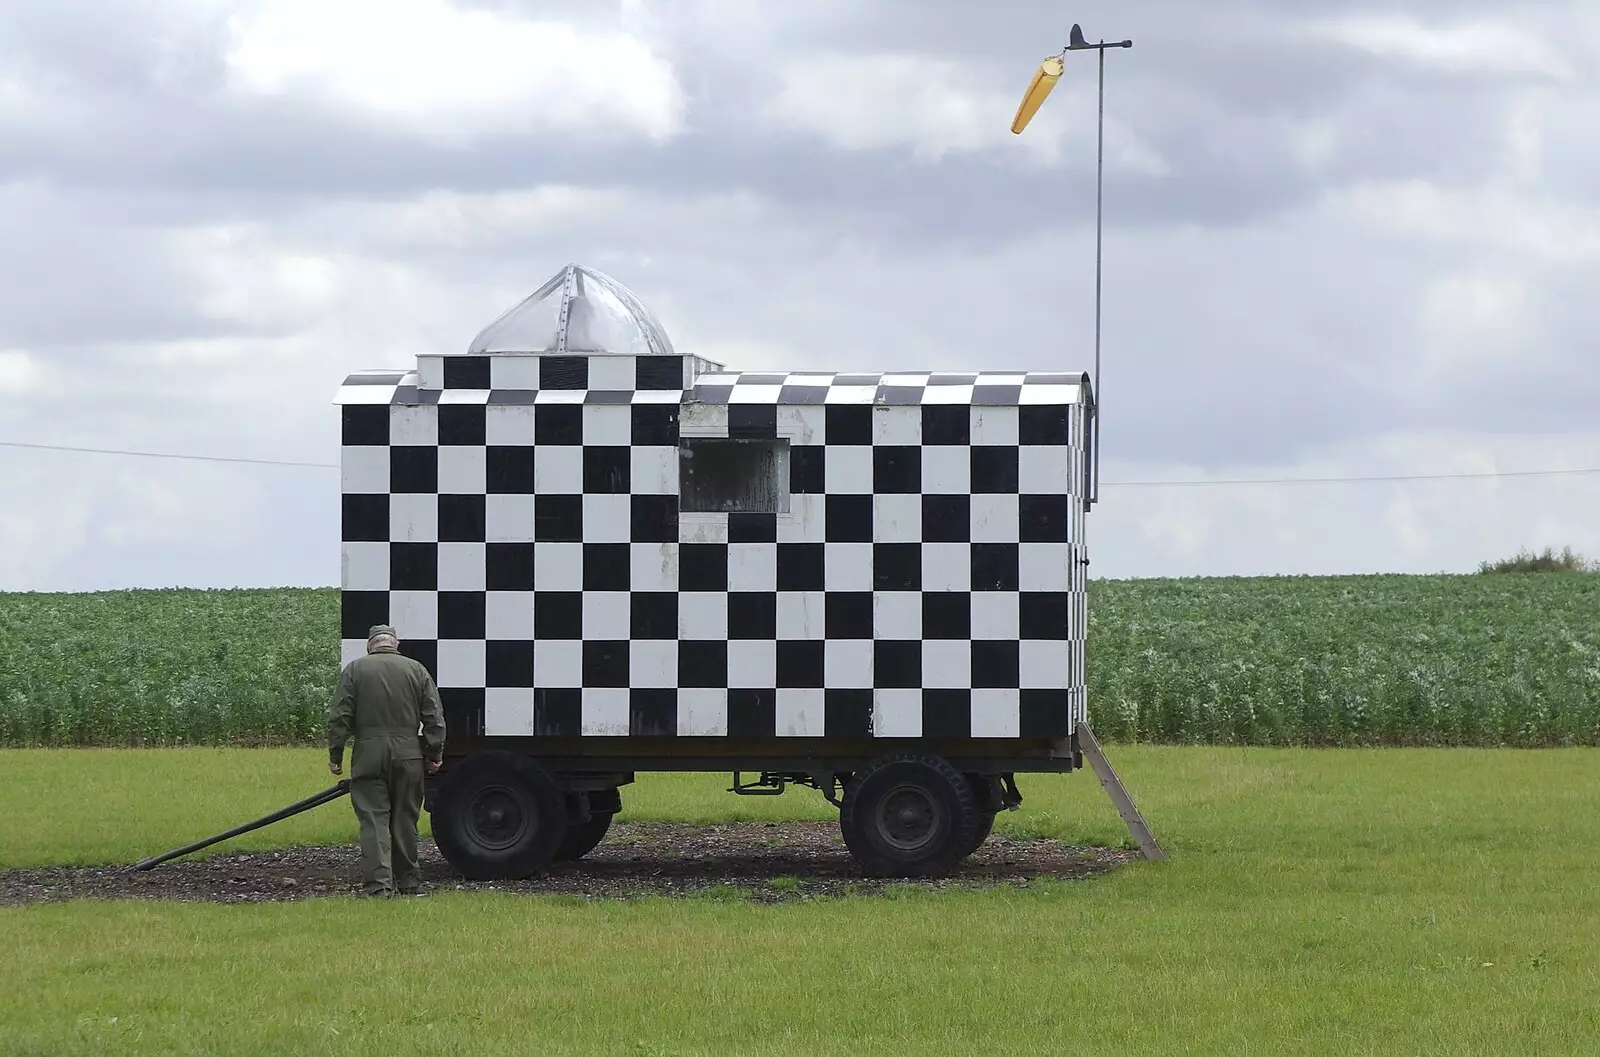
x: 1249, y: 322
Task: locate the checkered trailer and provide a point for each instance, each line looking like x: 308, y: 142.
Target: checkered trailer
x: 613, y: 558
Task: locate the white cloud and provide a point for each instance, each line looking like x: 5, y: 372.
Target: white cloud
x: 936, y: 107
x: 1476, y: 322
x: 1470, y: 47
x: 19, y: 373
x: 1490, y: 217
x: 1404, y: 526
x: 450, y: 74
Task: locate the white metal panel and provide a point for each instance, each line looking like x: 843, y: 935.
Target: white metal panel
x: 897, y: 713
x: 702, y: 712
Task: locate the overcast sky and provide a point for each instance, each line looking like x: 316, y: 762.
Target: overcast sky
x: 1341, y: 239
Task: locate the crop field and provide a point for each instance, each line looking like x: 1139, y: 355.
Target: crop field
x: 1357, y: 901
x: 1510, y: 659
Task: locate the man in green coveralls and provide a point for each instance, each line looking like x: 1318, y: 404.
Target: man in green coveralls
x: 388, y: 706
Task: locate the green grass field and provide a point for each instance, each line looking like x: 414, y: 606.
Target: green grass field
x: 1316, y: 902
x: 1510, y: 659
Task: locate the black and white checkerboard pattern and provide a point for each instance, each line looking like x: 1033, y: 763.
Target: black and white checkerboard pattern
x: 925, y: 581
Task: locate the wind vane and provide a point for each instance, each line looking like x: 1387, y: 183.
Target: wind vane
x: 1044, y: 79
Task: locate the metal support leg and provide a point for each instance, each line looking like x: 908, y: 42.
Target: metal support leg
x: 1119, y: 795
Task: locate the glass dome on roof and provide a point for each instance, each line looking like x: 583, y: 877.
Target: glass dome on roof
x: 578, y: 311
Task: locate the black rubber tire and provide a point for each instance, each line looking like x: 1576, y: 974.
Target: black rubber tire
x: 583, y: 836
x: 987, y: 793
x: 909, y: 816
x: 499, y: 816
x: 981, y: 833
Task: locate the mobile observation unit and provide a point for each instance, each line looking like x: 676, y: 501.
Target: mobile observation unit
x: 614, y: 557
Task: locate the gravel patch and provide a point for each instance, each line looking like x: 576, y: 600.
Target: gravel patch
x: 760, y: 861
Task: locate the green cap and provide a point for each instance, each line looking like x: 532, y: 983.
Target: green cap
x: 381, y: 629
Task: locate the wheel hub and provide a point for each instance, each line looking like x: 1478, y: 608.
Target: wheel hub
x: 497, y: 817
x: 908, y: 817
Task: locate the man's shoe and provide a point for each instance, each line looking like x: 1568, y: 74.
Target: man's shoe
x: 415, y: 893
x: 382, y: 893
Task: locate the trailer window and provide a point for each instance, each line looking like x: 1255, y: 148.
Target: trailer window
x: 733, y: 476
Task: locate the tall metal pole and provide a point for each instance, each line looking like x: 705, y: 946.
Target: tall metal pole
x: 1099, y: 209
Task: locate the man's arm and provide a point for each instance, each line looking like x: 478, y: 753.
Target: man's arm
x: 432, y: 721
x: 341, y: 719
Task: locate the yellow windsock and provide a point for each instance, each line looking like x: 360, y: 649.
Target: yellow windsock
x: 1044, y: 79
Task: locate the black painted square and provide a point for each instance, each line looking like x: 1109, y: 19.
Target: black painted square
x: 360, y: 610
x: 752, y: 712
x: 605, y: 662
x: 847, y: 713
x: 508, y: 662
x: 653, y: 615
x: 653, y: 519
x: 897, y: 566
x: 463, y: 423
x: 606, y: 469
x: 801, y: 567
x: 897, y: 469
x: 654, y: 425
x: 1042, y: 615
x: 461, y: 519
x: 508, y: 469
x: 848, y: 424
x: 658, y: 373
x: 508, y: 566
x: 364, y: 424
x: 558, y: 518
x: 413, y: 567
x: 605, y: 567
x: 364, y: 518
x: 946, y: 615
x: 413, y: 469
x: 462, y: 614
x: 558, y: 615
x: 653, y: 712
x: 946, y: 518
x: 808, y: 469
x: 996, y: 664
x: 800, y: 663
x: 847, y: 518
x: 848, y: 615
x: 466, y: 372
x: 994, y: 469
x: 897, y: 664
x: 703, y: 567
x: 564, y: 372
x: 946, y: 424
x: 559, y: 424
x: 995, y: 566
x: 752, y: 615
x: 558, y: 712
x: 1043, y: 518
x: 703, y: 663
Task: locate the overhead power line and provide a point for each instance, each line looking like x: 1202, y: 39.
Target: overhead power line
x: 169, y: 455
x: 1346, y: 480
x: 1215, y: 483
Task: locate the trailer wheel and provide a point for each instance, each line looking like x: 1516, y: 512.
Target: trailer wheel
x: 584, y: 833
x: 981, y: 833
x: 583, y: 836
x: 909, y: 816
x: 499, y: 816
x: 986, y: 789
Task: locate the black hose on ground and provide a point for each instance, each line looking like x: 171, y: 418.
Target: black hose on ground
x: 326, y: 796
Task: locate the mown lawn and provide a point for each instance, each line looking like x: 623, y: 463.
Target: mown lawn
x: 1348, y: 901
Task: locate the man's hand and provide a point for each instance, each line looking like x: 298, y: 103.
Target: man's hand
x: 434, y: 765
x: 334, y: 768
